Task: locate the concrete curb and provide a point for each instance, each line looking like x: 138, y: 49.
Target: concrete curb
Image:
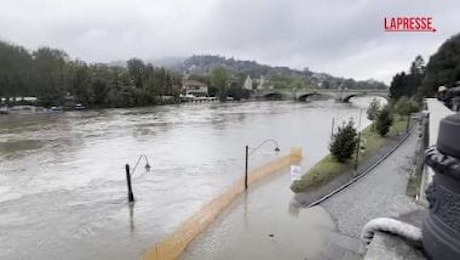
x: 364, y: 172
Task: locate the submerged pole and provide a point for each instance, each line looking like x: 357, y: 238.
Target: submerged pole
x: 358, y: 146
x: 332, y: 128
x: 128, y: 181
x: 246, y: 170
x: 408, y: 123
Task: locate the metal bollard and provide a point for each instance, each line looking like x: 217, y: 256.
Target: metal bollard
x: 441, y: 227
x: 128, y: 181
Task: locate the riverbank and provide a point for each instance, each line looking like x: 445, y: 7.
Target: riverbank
x: 328, y: 175
x: 37, y: 109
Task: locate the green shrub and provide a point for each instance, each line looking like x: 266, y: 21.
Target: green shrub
x: 373, y: 110
x: 344, y: 142
x: 328, y: 168
x: 384, y: 121
x: 405, y: 106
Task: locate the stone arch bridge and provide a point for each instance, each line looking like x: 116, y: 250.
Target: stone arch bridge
x: 303, y: 95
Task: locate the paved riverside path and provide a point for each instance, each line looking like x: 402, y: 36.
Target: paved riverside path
x: 381, y: 193
x: 328, y: 231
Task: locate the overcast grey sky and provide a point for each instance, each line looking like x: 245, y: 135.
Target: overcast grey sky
x: 342, y: 37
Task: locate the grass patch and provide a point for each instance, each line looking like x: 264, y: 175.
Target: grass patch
x: 328, y: 168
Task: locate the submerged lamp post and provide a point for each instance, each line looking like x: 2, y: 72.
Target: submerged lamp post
x: 253, y: 149
x: 147, y: 165
x: 358, y: 144
x: 129, y: 174
x: 128, y: 181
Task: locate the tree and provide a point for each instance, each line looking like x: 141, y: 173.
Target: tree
x: 408, y: 85
x: 373, y: 110
x: 137, y: 71
x: 99, y: 85
x: 80, y: 82
x: 397, y: 86
x: 219, y: 80
x: 417, y: 72
x: 443, y: 67
x: 384, y: 121
x: 405, y: 106
x: 418, y: 66
x: 50, y: 75
x: 344, y: 142
x: 15, y: 71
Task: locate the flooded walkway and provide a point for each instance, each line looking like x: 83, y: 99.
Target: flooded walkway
x: 260, y: 225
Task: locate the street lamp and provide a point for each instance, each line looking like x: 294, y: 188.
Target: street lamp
x: 128, y: 175
x: 253, y: 149
x: 147, y: 165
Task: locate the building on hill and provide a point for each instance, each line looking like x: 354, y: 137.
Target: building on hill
x: 262, y: 84
x: 194, y: 87
x: 248, y: 83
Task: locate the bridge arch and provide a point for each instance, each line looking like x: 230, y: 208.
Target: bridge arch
x: 346, y: 99
x: 304, y: 97
x: 274, y: 95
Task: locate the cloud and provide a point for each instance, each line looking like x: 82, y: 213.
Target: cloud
x: 341, y: 37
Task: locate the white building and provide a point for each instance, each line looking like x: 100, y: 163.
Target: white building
x: 196, y: 88
x: 248, y: 83
x: 261, y: 83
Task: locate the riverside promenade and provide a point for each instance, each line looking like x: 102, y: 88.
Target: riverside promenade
x: 260, y: 225
x: 381, y: 193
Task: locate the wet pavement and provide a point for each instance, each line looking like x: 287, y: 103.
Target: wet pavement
x: 381, y: 193
x: 261, y: 225
x: 62, y: 179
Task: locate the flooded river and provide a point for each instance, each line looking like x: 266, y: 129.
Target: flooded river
x: 63, y: 190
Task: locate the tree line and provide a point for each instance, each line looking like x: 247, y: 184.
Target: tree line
x: 443, y: 69
x: 51, y: 76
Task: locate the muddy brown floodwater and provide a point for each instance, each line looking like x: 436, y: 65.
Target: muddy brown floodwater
x: 62, y: 180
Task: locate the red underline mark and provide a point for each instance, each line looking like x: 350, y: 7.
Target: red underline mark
x: 410, y: 30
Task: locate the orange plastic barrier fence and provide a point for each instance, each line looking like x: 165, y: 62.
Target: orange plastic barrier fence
x: 173, y: 244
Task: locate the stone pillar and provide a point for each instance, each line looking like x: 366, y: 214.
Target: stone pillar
x: 441, y: 227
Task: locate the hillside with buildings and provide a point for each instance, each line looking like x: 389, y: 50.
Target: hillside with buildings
x: 204, y: 64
